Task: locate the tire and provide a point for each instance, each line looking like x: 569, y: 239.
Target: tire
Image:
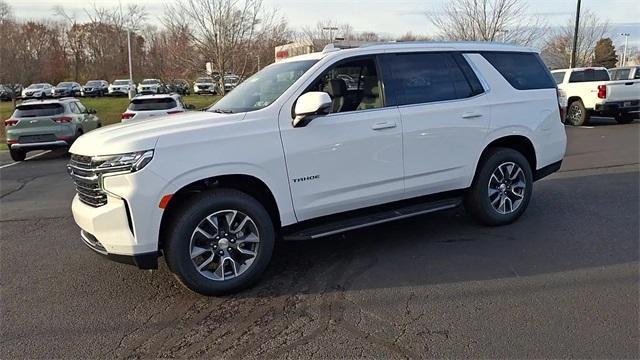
x: 479, y: 202
x: 625, y: 118
x: 183, y: 238
x: 17, y: 154
x: 577, y: 114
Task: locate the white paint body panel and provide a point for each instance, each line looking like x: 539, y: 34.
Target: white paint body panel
x: 422, y: 149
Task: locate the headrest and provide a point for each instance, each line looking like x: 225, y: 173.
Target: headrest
x: 336, y: 88
x: 370, y: 86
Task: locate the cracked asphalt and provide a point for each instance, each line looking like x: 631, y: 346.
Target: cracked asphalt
x: 561, y: 282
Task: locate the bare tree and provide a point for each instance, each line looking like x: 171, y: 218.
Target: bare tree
x: 556, y: 51
x: 222, y: 30
x: 487, y: 20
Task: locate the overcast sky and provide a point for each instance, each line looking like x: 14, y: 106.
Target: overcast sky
x: 391, y: 17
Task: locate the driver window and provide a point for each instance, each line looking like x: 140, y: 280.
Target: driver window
x: 352, y: 85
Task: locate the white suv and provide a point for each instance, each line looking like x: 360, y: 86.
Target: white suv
x: 121, y: 87
x: 148, y: 106
x: 294, y: 153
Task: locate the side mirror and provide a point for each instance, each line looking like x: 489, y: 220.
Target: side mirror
x: 311, y: 103
x: 190, y: 107
x: 91, y: 111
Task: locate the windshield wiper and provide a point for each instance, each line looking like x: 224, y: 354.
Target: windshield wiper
x: 221, y: 111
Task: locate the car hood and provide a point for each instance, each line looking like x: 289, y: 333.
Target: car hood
x: 138, y: 135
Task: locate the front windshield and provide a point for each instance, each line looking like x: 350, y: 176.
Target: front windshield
x: 36, y: 86
x: 263, y: 88
x: 121, y: 82
x: 150, y: 81
x: 93, y: 83
x: 64, y: 84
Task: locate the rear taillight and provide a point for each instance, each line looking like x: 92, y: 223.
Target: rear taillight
x: 63, y: 120
x: 602, y: 91
x: 11, y: 122
x: 127, y: 116
x: 174, y: 112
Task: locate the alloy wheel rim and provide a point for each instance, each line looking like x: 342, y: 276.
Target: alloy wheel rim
x: 575, y: 113
x: 224, y: 245
x: 507, y: 186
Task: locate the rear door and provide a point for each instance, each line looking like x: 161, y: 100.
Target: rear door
x: 445, y: 118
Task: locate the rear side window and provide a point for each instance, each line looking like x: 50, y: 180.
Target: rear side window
x: 589, y: 75
x: 34, y: 110
x: 621, y: 74
x: 418, y: 78
x: 152, y: 104
x: 558, y: 76
x: 524, y: 71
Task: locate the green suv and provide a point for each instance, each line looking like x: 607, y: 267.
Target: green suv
x: 47, y: 124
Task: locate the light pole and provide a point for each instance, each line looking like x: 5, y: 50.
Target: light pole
x: 624, y: 52
x: 131, y: 90
x: 574, y: 50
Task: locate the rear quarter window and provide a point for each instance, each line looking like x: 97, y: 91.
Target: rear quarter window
x: 152, y: 104
x: 34, y: 110
x: 524, y: 71
x: 558, y: 76
x: 589, y: 75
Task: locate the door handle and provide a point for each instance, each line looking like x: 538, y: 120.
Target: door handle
x: 384, y: 125
x: 471, y: 115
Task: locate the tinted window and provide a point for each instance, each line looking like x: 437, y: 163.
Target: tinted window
x: 524, y: 71
x: 204, y: 81
x: 121, y: 82
x: 558, y: 76
x: 428, y: 77
x: 74, y: 109
x: 152, y: 104
x: 150, y: 81
x: 33, y: 110
x: 589, y: 75
x: 352, y: 85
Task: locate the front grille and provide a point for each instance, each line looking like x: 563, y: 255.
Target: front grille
x: 86, y: 180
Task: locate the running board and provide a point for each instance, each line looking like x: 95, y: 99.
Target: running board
x: 362, y: 221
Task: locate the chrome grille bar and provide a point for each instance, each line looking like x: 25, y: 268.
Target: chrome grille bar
x: 86, y: 179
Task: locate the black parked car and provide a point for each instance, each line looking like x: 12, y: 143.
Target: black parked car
x: 67, y: 88
x: 96, y: 88
x: 179, y: 86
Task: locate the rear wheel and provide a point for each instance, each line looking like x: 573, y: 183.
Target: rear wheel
x: 17, y: 154
x: 625, y: 118
x: 501, y: 189
x: 219, y: 242
x: 577, y: 114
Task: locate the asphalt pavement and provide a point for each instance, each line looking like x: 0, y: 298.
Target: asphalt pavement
x: 563, y: 281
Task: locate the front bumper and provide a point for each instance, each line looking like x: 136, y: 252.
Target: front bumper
x: 146, y: 261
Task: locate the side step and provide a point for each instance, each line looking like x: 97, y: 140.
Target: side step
x: 361, y: 221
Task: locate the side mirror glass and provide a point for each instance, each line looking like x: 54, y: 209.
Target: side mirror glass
x: 311, y: 103
x: 91, y: 111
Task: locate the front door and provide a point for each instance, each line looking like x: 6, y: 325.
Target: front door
x: 352, y: 157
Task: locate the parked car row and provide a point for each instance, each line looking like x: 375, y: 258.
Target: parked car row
x: 121, y: 87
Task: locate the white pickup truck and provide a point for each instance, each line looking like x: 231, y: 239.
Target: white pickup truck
x: 590, y: 91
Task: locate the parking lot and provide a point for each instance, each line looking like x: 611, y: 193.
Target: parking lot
x: 562, y: 281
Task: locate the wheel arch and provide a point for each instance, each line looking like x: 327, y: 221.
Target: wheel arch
x: 520, y: 143
x: 248, y: 184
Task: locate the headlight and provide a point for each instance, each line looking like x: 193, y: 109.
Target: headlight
x: 129, y: 162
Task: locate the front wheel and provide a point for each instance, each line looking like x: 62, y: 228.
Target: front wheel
x: 501, y: 189
x: 219, y: 242
x: 17, y: 154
